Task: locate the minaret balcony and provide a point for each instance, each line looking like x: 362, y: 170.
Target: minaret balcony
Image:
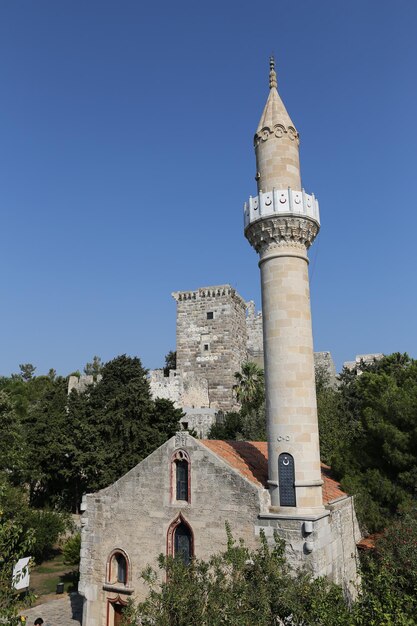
x: 281, y: 202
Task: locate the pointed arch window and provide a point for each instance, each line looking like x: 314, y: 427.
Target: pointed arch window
x: 180, y: 540
x: 180, y: 477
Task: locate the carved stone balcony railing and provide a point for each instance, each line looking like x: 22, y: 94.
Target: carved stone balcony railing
x: 281, y: 202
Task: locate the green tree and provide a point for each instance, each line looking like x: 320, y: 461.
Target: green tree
x: 380, y: 603
x: 15, y: 542
x: 250, y: 386
x: 49, y: 443
x: 170, y: 362
x: 396, y: 551
x: 48, y: 529
x: 377, y: 461
x: 389, y: 576
x: 250, y: 422
x: 115, y: 424
x: 45, y: 527
x: 12, y: 448
x: 241, y: 587
x: 94, y: 368
x: 16, y: 421
x: 332, y: 426
x: 229, y: 427
x: 254, y: 423
x: 85, y: 441
x: 27, y: 371
x: 238, y: 587
x: 71, y: 550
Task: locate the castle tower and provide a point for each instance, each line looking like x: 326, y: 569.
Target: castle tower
x: 211, y: 339
x: 281, y: 223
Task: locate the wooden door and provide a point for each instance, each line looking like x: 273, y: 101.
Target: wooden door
x: 117, y: 608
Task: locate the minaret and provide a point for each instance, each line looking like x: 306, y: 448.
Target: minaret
x: 281, y: 223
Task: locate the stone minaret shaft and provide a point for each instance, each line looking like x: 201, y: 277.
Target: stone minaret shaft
x: 281, y: 224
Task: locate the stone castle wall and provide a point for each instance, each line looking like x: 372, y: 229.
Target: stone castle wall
x: 80, y: 383
x: 198, y: 420
x: 167, y: 387
x: 255, y: 343
x: 366, y: 359
x: 190, y: 393
x: 184, y: 389
x: 324, y: 361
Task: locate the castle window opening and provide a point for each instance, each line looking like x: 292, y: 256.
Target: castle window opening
x: 206, y: 347
x: 210, y: 315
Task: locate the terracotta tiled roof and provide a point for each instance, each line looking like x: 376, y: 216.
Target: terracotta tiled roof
x: 250, y: 458
x: 331, y: 488
x: 368, y: 543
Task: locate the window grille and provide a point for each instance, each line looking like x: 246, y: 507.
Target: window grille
x: 182, y: 479
x: 183, y: 543
x: 121, y: 568
x: 286, y: 477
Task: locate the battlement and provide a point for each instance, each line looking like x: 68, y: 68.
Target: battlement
x: 80, y: 383
x: 215, y: 291
x: 366, y: 359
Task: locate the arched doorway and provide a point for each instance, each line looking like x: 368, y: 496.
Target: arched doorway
x: 115, y: 611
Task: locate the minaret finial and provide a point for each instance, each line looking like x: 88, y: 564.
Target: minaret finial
x: 272, y: 73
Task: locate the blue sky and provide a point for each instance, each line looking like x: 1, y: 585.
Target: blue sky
x: 126, y: 155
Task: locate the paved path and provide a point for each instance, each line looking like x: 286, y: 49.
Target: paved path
x: 65, y: 611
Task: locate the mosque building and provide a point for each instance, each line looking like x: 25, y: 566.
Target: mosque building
x: 177, y: 500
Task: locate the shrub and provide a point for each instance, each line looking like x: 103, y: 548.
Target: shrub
x: 48, y: 528
x: 71, y: 550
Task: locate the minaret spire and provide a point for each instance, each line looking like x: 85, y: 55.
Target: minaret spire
x: 281, y: 223
x: 276, y: 143
x: 272, y: 73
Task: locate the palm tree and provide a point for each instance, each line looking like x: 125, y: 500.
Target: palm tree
x: 249, y: 388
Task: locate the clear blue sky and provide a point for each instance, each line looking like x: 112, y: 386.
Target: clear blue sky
x: 126, y: 155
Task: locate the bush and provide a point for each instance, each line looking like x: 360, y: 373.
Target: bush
x: 48, y: 527
x: 71, y: 550
x: 238, y: 587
